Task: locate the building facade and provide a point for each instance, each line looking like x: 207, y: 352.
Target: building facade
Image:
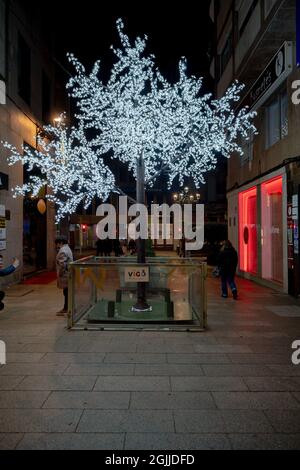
x: 255, y: 42
x: 27, y: 102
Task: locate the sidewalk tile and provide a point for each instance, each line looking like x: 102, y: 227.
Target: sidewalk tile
x: 126, y: 421
x: 133, y: 383
x: 172, y: 401
x: 88, y: 400
x: 71, y: 442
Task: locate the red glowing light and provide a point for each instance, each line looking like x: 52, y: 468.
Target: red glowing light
x: 248, y: 230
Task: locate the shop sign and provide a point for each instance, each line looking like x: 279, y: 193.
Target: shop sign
x: 2, y: 92
x: 272, y: 77
x: 295, y: 209
x: 2, y: 245
x: 296, y: 239
x: 138, y: 275
x: 2, y: 229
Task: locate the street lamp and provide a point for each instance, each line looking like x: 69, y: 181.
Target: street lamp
x: 59, y: 120
x: 187, y: 197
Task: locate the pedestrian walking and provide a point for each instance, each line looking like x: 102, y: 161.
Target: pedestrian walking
x: 100, y: 247
x: 107, y: 247
x: 117, y: 248
x: 63, y: 258
x: 132, y: 247
x: 227, y: 264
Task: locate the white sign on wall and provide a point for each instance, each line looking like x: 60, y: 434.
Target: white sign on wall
x: 2, y: 245
x: 2, y: 353
x: 137, y: 274
x: 2, y: 92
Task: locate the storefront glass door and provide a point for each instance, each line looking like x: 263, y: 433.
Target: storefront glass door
x: 272, y: 230
x: 248, y: 231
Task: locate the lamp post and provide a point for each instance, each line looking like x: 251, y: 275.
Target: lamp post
x: 185, y: 196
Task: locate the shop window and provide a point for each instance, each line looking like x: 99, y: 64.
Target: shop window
x: 24, y: 70
x: 226, y: 54
x: 268, y: 6
x: 272, y: 230
x: 248, y: 231
x: 277, y: 120
x: 2, y: 40
x: 46, y: 98
x: 247, y: 147
x: 245, y: 14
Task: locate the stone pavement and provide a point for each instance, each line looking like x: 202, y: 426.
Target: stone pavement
x: 233, y: 387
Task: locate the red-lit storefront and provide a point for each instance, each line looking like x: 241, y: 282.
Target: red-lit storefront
x: 258, y: 229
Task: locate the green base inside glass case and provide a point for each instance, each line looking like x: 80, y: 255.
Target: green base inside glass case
x: 162, y: 312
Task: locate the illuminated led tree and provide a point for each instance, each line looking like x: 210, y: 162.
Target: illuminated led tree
x: 140, y: 119
x: 69, y: 165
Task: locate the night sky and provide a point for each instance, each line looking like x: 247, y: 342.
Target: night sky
x: 88, y: 29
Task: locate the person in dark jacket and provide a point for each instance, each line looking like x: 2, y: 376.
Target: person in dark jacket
x: 100, y: 248
x: 227, y: 263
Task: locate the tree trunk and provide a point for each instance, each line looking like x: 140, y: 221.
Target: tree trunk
x: 141, y: 304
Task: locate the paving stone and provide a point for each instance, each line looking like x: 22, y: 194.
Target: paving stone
x: 23, y: 357
x: 168, y: 370
x: 17, y: 399
x: 52, y: 383
x: 272, y: 384
x: 284, y: 371
x: 10, y: 441
x: 71, y: 442
x: 284, y: 421
x: 172, y: 401
x: 167, y: 441
x: 100, y: 369
x: 198, y: 359
x: 265, y: 441
x: 297, y: 395
x: 192, y: 384
x: 133, y: 383
x: 26, y: 421
x: 74, y: 358
x: 126, y: 421
x: 9, y: 382
x: 167, y: 348
x: 246, y: 421
x: 237, y: 370
x: 255, y: 400
x: 115, y: 358
x: 221, y: 349
x: 88, y: 400
x: 12, y: 347
x: 200, y: 421
x: 32, y: 369
x: 51, y: 348
x: 265, y: 359
x: 109, y: 347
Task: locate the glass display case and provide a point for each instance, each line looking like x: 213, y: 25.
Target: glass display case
x: 103, y: 293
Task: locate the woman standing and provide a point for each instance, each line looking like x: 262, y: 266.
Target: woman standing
x: 63, y: 258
